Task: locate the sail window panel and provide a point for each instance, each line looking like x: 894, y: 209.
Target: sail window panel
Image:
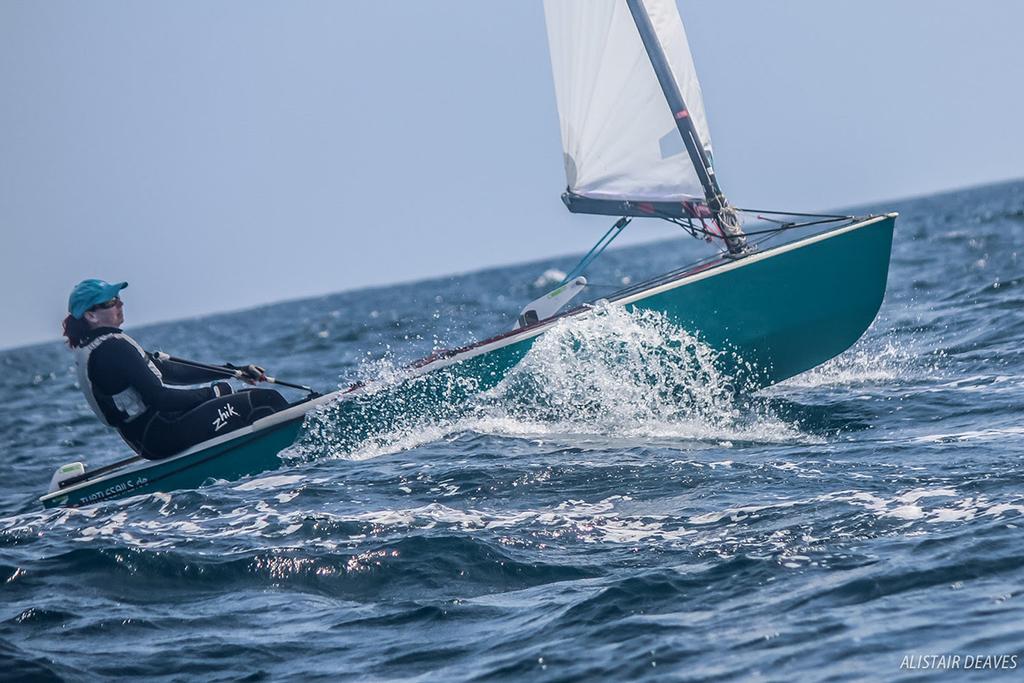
x: 668, y: 26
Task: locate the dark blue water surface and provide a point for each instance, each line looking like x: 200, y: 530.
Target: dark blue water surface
x: 575, y: 524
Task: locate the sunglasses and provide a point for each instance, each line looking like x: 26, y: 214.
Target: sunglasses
x: 107, y: 304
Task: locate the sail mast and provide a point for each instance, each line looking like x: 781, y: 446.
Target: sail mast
x: 723, y: 214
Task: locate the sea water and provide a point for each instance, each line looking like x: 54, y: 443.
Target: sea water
x: 612, y: 510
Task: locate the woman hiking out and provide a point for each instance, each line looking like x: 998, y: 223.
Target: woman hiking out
x: 130, y: 390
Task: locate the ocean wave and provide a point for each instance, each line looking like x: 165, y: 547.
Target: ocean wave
x: 615, y: 373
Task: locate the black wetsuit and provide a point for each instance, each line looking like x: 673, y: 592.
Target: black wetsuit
x: 128, y: 390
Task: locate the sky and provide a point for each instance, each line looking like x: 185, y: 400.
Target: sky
x: 222, y: 155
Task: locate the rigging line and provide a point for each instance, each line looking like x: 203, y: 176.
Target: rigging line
x: 597, y: 249
x: 773, y: 220
x: 689, y: 227
x: 767, y: 236
x: 794, y: 226
x: 694, y: 231
x: 598, y: 285
x: 793, y: 213
x: 626, y: 290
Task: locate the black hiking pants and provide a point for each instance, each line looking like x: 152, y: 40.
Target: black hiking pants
x: 168, y: 434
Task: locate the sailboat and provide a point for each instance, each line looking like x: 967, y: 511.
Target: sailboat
x: 636, y: 145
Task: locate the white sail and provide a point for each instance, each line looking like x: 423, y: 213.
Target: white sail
x: 619, y: 134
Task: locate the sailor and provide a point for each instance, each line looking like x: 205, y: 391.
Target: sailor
x: 129, y: 390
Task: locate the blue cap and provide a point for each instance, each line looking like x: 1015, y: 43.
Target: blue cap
x: 88, y: 293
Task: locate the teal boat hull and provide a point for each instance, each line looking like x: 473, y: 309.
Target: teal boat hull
x: 792, y: 308
x: 772, y: 315
x: 236, y: 457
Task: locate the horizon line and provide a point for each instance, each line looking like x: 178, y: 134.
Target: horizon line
x: 497, y: 266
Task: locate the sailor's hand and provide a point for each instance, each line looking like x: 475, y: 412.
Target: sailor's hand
x: 221, y: 389
x: 251, y: 374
